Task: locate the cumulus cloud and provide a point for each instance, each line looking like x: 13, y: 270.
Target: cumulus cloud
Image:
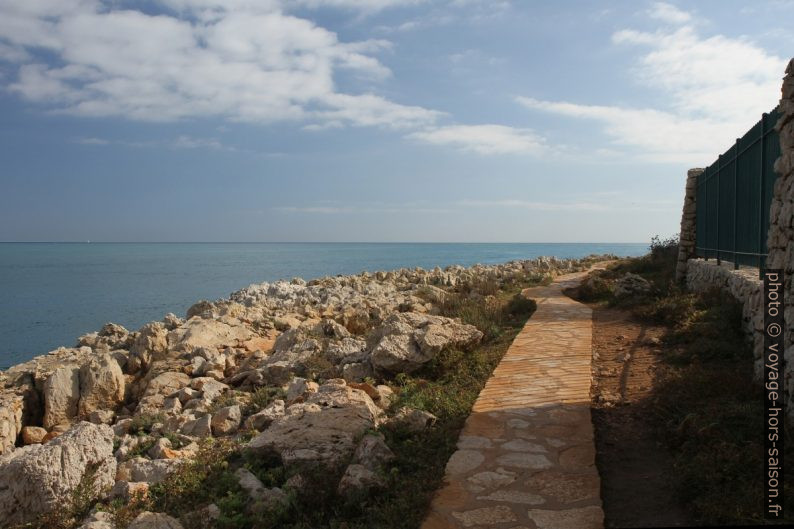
x: 484, y: 139
x: 659, y: 135
x: 241, y: 60
x: 668, y: 13
x: 714, y: 88
x: 365, y: 5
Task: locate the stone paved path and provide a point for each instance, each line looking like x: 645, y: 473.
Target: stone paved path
x: 526, y: 457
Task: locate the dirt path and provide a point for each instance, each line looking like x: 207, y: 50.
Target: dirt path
x: 631, y: 461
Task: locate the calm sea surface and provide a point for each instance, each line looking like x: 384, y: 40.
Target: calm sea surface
x: 50, y: 293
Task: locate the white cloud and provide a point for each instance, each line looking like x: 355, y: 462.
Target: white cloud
x: 189, y: 142
x: 596, y: 201
x: 712, y: 90
x: 484, y: 139
x: 668, y: 13
x: 602, y: 201
x: 12, y: 53
x: 362, y: 5
x: 245, y: 60
x: 659, y: 135
x: 712, y: 76
x: 92, y: 141
x: 180, y: 142
x: 536, y: 205
x: 352, y: 209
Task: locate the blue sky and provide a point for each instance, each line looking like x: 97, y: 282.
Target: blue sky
x: 372, y: 120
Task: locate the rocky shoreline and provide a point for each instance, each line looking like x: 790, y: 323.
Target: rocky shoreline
x: 301, y: 370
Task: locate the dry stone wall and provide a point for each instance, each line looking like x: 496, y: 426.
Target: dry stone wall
x: 743, y: 285
x: 780, y: 239
x: 686, y: 247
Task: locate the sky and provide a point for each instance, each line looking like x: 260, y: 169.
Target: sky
x: 372, y: 120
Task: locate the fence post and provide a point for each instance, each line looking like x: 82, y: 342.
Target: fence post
x: 706, y: 221
x: 719, y: 177
x: 761, y: 197
x: 735, y: 202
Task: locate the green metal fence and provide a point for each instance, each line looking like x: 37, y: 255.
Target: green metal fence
x: 733, y: 198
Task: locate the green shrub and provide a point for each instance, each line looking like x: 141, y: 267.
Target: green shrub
x: 142, y: 424
x: 487, y: 317
x: 142, y: 448
x: 319, y: 367
x: 224, y: 401
x: 594, y: 289
x: 262, y: 397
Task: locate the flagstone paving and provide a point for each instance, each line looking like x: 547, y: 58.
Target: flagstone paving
x: 526, y: 456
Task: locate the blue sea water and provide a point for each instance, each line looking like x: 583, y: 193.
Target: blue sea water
x: 51, y: 293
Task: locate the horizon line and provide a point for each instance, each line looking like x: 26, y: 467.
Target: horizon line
x: 322, y: 242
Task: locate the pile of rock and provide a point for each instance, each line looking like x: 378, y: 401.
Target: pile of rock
x: 156, y: 392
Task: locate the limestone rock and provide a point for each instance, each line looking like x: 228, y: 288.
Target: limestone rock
x: 57, y: 430
x: 101, y: 385
x: 210, y: 388
x: 160, y: 448
x: 199, y: 309
x: 61, y: 396
x: 262, y: 419
x: 172, y: 321
x: 209, y: 333
x: 158, y: 388
x: 409, y: 340
x: 128, y: 490
x: 322, y: 429
x: 98, y: 520
x: 385, y: 395
x: 11, y: 412
x: 250, y: 483
x: 263, y: 498
x: 101, y: 416
x: 299, y: 387
x: 347, y: 350
x: 150, y: 344
x: 129, y: 443
x: 200, y: 427
x: 226, y: 420
x: 412, y: 419
x: 146, y: 470
x: 372, y: 452
x: 294, y: 347
x: 33, y: 435
x: 53, y: 471
x: 204, y: 518
x: 357, y: 371
x: 151, y: 520
x: 358, y: 480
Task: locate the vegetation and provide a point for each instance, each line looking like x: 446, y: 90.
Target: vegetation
x: 262, y: 397
x: 142, y: 424
x: 704, y: 405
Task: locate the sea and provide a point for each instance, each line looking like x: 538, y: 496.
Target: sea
x: 51, y: 293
